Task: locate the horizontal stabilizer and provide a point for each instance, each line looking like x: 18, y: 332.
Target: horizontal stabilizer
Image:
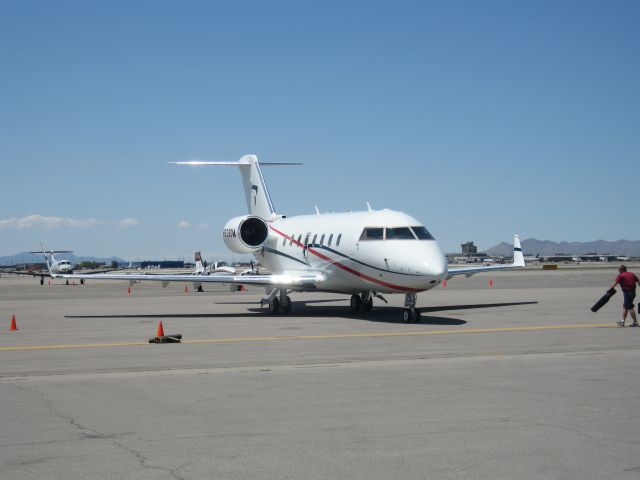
x: 255, y: 189
x: 204, y: 163
x: 48, y: 252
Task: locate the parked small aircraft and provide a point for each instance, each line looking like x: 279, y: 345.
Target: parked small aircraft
x: 362, y: 254
x: 55, y: 266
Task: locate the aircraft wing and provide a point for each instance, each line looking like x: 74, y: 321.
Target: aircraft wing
x: 97, y: 271
x: 307, y: 281
x: 26, y: 272
x: 518, y: 262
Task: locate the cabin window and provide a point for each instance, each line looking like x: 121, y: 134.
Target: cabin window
x: 284, y: 241
x: 372, y: 233
x: 299, y: 238
x: 306, y: 239
x: 291, y: 239
x: 422, y: 233
x: 314, y: 239
x: 322, y: 239
x: 399, y: 233
x: 338, y: 240
x: 330, y: 239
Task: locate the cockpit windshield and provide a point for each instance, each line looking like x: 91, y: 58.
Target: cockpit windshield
x: 395, y: 233
x: 399, y: 233
x: 372, y: 233
x: 422, y: 233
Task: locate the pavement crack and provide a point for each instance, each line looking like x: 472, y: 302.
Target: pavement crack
x: 91, y: 433
x: 143, y: 461
x: 572, y: 430
x: 85, y: 431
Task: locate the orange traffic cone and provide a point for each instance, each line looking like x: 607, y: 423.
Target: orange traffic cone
x: 129, y: 290
x: 49, y: 281
x: 444, y: 284
x: 13, y: 326
x: 490, y: 283
x: 160, y: 331
x: 186, y: 289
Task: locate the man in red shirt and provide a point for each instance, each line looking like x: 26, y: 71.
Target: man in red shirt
x: 627, y: 281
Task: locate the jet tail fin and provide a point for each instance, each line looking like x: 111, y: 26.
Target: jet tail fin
x: 518, y: 257
x: 199, y: 266
x: 47, y: 258
x: 255, y: 189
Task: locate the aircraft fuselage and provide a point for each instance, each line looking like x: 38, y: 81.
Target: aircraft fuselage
x: 336, y: 245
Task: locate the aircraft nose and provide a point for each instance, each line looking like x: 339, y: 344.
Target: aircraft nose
x: 435, y: 263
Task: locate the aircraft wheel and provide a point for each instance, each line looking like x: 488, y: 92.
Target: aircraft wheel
x: 417, y: 317
x: 407, y: 315
x: 356, y: 303
x: 274, y: 306
x: 285, y: 307
x: 200, y: 289
x: 82, y: 281
x: 67, y: 283
x: 367, y: 306
x: 41, y: 280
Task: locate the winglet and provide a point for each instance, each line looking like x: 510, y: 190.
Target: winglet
x: 518, y: 257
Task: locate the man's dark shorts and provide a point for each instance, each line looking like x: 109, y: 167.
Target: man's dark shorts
x: 628, y: 299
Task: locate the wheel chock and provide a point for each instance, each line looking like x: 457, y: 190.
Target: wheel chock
x: 175, y: 338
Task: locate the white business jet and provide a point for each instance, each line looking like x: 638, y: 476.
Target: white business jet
x: 55, y: 266
x: 362, y: 254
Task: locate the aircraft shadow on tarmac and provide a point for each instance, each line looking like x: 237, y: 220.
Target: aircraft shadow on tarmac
x: 308, y: 310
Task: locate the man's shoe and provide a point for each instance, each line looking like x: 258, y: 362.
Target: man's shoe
x: 634, y: 324
x: 620, y: 322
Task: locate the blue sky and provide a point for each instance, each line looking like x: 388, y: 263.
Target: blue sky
x: 480, y: 118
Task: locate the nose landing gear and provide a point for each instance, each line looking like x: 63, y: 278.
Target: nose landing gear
x: 410, y: 314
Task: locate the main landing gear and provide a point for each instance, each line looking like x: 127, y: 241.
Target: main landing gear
x: 278, y: 302
x: 361, y: 303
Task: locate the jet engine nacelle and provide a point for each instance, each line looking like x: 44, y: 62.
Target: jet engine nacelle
x: 245, y: 234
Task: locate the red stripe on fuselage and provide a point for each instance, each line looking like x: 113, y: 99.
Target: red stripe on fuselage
x: 344, y: 267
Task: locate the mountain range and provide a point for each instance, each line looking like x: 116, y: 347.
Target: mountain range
x: 28, y: 257
x: 533, y: 246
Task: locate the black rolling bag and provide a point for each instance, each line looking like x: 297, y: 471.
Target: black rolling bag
x: 604, y: 299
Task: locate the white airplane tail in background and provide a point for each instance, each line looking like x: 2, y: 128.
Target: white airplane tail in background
x: 255, y: 189
x: 199, y: 265
x: 518, y: 257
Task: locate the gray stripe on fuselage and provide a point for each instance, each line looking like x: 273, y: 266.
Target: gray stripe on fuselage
x: 278, y: 252
x: 323, y: 247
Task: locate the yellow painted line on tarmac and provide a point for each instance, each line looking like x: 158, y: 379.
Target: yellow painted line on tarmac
x: 396, y: 334
x: 320, y: 337
x: 79, y: 345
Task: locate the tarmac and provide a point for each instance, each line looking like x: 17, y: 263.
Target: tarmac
x: 515, y: 380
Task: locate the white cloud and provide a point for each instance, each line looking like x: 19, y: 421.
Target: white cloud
x: 48, y: 223
x: 185, y: 224
x: 128, y: 222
